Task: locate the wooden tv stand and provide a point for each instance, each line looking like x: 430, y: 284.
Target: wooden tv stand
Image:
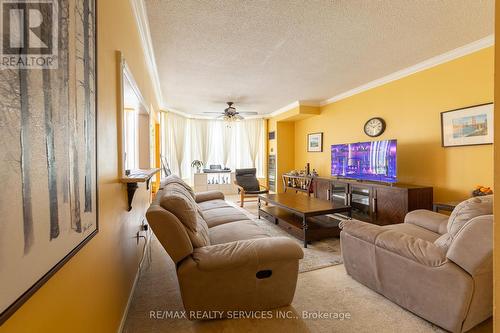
x: 373, y: 202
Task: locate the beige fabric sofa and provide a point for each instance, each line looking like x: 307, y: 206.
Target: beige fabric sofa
x: 224, y: 261
x: 436, y: 266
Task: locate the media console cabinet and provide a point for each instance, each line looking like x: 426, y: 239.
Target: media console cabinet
x: 215, y: 181
x: 373, y: 202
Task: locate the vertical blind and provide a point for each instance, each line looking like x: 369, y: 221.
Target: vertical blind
x: 234, y: 145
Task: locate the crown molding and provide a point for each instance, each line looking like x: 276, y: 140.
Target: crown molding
x: 421, y: 66
x: 284, y: 109
x: 292, y: 106
x: 185, y: 114
x: 141, y: 18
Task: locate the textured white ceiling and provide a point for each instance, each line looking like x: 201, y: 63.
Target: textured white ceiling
x: 264, y: 55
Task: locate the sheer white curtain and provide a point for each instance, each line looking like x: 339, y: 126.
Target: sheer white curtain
x: 254, y: 130
x: 233, y: 145
x: 175, y: 132
x: 227, y: 142
x: 202, y: 139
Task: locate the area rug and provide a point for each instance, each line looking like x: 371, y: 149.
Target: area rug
x: 318, y: 254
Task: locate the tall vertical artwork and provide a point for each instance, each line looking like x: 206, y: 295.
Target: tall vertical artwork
x: 48, y: 175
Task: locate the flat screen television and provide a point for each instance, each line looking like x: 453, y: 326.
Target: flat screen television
x: 372, y: 160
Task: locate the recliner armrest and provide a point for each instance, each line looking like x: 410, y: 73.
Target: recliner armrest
x: 416, y: 249
x: 246, y: 252
x: 472, y: 247
x: 429, y: 220
x: 362, y: 230
x: 208, y: 195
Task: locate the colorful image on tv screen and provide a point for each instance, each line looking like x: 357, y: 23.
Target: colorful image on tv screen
x: 373, y: 160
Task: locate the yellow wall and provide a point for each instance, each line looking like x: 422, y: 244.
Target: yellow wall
x: 284, y: 144
x: 285, y: 136
x: 271, y: 144
x: 411, y: 108
x: 90, y: 292
x: 496, y: 212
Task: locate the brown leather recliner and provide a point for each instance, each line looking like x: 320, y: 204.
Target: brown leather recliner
x: 438, y: 267
x: 224, y: 261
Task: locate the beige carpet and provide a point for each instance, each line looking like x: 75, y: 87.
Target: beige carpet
x: 318, y: 254
x: 328, y: 291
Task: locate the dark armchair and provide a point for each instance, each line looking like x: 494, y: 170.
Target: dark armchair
x: 248, y: 185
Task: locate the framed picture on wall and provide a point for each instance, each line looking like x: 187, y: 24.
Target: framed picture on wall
x: 468, y: 126
x: 48, y: 160
x: 315, y: 142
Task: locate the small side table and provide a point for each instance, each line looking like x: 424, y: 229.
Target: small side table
x: 447, y: 206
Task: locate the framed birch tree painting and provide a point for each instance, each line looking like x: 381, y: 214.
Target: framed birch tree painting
x: 48, y: 170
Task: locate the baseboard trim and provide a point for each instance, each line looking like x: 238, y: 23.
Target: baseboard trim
x: 132, y: 290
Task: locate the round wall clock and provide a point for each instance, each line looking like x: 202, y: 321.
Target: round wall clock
x: 374, y: 127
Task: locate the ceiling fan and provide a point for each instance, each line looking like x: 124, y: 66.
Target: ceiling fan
x: 230, y: 113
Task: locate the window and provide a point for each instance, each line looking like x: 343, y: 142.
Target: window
x: 131, y: 142
x: 241, y: 145
x: 135, y: 145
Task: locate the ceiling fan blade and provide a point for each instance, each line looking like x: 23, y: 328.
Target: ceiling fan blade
x: 213, y: 112
x: 248, y: 112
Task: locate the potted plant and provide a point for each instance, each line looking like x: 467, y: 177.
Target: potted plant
x: 198, y: 165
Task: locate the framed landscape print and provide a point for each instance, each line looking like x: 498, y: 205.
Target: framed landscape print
x: 467, y: 126
x: 315, y: 142
x: 48, y: 169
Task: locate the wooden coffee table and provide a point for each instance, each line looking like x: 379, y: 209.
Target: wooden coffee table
x: 300, y: 211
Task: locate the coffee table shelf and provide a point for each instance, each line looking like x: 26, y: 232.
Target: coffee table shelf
x: 318, y: 227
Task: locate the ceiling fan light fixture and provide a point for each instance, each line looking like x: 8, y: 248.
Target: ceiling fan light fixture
x: 231, y: 118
